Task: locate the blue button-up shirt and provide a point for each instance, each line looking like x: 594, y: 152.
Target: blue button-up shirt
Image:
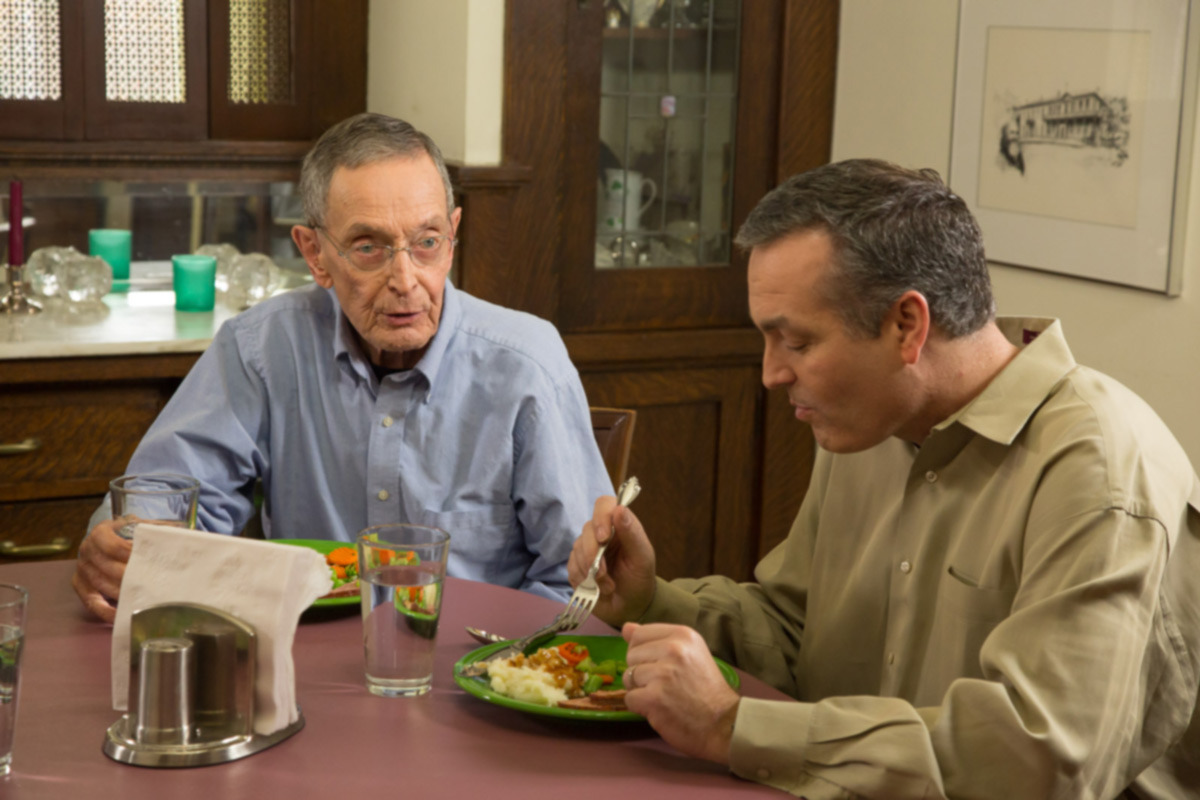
x: 489, y: 437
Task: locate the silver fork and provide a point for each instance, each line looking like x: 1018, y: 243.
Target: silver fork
x: 584, y: 598
x: 519, y: 646
x: 578, y: 609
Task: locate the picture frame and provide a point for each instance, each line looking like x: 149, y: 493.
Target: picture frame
x: 1073, y: 126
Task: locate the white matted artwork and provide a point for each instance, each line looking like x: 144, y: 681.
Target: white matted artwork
x: 1072, y: 131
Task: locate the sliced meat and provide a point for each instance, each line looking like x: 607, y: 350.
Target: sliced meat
x: 602, y: 700
x: 345, y: 590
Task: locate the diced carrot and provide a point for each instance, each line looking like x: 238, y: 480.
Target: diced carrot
x: 339, y: 570
x: 342, y: 556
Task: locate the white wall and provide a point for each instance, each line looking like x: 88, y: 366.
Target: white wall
x: 894, y: 100
x: 439, y: 64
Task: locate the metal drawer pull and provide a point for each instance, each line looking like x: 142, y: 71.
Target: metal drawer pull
x: 27, y: 446
x: 52, y: 548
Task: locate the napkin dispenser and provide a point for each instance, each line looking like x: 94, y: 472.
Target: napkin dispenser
x: 191, y: 690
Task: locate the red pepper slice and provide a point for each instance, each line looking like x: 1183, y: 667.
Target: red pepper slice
x: 572, y: 652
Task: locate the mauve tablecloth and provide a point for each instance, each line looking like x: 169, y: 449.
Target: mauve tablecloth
x: 446, y: 744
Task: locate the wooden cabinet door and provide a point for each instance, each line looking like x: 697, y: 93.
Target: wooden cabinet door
x: 695, y: 452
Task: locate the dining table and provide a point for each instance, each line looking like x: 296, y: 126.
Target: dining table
x: 446, y: 743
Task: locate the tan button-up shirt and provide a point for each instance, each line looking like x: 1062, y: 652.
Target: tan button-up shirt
x: 1011, y: 610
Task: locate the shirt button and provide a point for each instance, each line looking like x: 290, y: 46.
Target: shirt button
x: 383, y: 495
x: 763, y: 773
x: 387, y: 422
x: 891, y: 658
x: 931, y: 476
x: 905, y: 567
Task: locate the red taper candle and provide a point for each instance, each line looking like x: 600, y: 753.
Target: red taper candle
x: 16, y: 228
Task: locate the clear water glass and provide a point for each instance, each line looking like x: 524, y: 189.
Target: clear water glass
x: 402, y: 571
x: 13, y: 602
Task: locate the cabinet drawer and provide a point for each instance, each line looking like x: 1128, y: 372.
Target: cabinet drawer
x: 43, y: 529
x: 71, y: 441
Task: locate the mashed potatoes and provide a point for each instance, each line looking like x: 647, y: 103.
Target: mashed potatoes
x: 525, y: 683
x: 544, y: 678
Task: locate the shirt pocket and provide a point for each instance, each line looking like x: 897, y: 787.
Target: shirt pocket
x: 966, y: 614
x: 480, y: 535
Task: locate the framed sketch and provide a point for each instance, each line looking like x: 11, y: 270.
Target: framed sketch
x: 1073, y: 124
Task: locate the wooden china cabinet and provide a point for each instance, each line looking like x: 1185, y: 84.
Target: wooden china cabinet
x: 714, y: 102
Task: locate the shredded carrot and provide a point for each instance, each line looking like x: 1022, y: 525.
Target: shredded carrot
x: 339, y: 570
x: 342, y: 556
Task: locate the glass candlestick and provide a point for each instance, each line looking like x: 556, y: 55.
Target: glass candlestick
x: 16, y: 301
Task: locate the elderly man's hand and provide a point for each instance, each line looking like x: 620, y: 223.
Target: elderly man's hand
x: 101, y: 566
x: 674, y: 683
x: 626, y: 576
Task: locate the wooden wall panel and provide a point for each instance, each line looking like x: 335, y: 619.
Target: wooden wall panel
x: 489, y: 238
x: 535, y: 124
x: 807, y: 87
x: 805, y: 141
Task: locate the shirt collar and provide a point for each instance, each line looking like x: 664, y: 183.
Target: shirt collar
x: 347, y: 346
x: 1003, y: 408
x: 431, y: 363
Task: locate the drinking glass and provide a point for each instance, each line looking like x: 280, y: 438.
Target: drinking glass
x: 114, y: 246
x: 195, y: 281
x: 163, y: 498
x: 13, y: 600
x: 402, y: 570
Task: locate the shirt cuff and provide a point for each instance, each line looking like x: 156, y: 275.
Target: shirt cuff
x: 769, y: 742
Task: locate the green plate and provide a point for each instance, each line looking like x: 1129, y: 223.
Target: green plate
x: 600, y: 648
x: 323, y: 546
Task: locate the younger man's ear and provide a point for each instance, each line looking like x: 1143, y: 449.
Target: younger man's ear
x: 909, y: 322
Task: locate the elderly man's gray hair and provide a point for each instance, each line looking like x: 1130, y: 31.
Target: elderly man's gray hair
x: 358, y: 140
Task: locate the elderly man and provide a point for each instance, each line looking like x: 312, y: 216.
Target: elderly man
x: 382, y: 393
x: 990, y: 589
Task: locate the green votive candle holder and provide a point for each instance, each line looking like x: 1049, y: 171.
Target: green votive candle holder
x: 114, y: 246
x: 195, y: 279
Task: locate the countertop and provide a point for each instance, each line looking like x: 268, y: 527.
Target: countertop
x: 138, y: 322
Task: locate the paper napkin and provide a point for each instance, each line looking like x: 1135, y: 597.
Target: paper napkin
x: 263, y: 584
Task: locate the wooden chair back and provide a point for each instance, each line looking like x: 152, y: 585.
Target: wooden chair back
x: 613, y: 428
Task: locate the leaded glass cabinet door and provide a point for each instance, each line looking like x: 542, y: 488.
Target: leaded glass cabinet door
x: 668, y: 102
x: 673, y: 108
x: 260, y: 80
x: 41, y: 70
x: 146, y: 69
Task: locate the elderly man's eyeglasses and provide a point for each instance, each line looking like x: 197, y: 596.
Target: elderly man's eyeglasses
x: 366, y: 256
